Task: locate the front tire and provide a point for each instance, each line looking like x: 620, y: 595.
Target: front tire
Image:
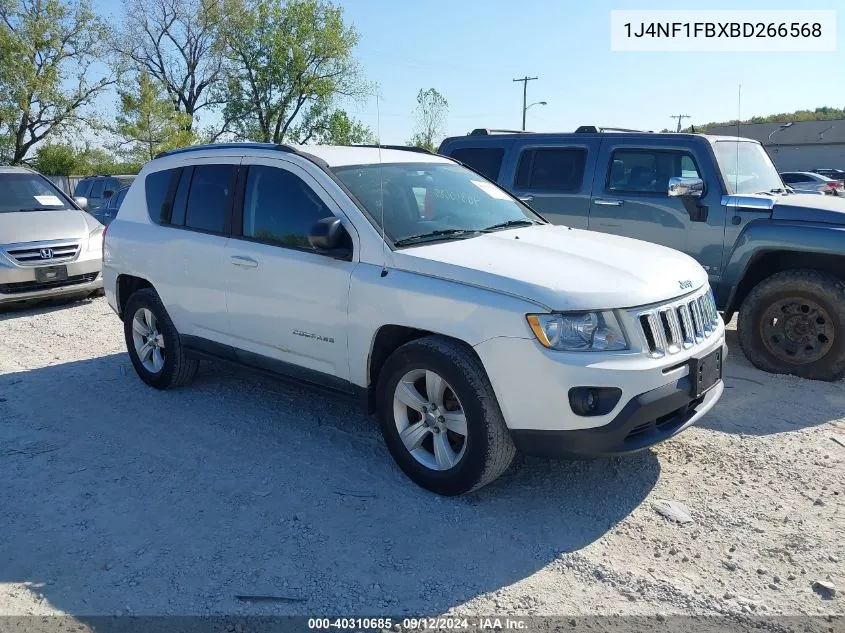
x: 153, y: 343
x: 794, y: 323
x: 440, y: 418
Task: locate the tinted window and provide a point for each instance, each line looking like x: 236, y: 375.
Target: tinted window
x: 280, y: 207
x: 559, y: 169
x: 157, y: 186
x: 97, y: 188
x: 82, y: 188
x: 180, y: 201
x: 648, y: 171
x: 120, y: 196
x: 485, y: 160
x: 210, y: 197
x: 111, y: 185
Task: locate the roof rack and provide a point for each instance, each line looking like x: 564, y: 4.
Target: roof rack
x: 198, y: 148
x: 592, y: 129
x: 483, y: 131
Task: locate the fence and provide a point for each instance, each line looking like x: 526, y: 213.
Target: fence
x: 65, y: 183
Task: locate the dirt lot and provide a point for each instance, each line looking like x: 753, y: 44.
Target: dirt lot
x: 120, y: 499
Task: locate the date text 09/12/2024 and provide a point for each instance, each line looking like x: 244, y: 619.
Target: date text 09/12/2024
x: 418, y: 624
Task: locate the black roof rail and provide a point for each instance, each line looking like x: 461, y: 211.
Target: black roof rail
x: 592, y: 129
x: 483, y: 131
x: 198, y: 148
x: 407, y: 148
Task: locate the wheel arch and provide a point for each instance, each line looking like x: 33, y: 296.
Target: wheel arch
x: 126, y: 286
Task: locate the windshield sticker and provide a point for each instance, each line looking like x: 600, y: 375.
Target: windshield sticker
x: 490, y: 189
x: 50, y: 201
x: 462, y: 197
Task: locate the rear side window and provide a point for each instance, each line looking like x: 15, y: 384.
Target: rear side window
x: 157, y: 186
x: 551, y: 169
x: 82, y: 188
x: 97, y: 188
x: 487, y: 161
x: 280, y: 208
x: 648, y: 171
x: 210, y: 197
x: 111, y: 185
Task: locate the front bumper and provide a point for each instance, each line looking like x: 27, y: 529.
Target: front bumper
x: 646, y: 420
x: 18, y: 283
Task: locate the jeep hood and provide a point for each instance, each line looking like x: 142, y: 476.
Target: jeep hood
x: 39, y: 226
x: 560, y: 268
x: 810, y: 208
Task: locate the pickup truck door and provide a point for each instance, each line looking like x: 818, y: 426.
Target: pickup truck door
x: 287, y: 304
x: 554, y: 178
x: 630, y: 198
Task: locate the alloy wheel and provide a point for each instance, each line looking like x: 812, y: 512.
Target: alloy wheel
x: 148, y: 340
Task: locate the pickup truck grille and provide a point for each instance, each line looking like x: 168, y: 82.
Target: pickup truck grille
x: 43, y: 254
x: 679, y: 325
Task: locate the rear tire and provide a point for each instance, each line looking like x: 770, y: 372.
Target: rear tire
x: 794, y: 323
x: 153, y: 343
x: 462, y: 440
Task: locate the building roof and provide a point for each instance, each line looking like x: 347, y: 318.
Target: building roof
x: 799, y: 133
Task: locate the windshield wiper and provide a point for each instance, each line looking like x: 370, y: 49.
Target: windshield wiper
x: 509, y: 224
x: 434, y: 235
x: 44, y: 209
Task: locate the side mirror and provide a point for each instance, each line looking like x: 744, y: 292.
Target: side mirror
x: 82, y: 202
x: 329, y: 237
x: 686, y: 187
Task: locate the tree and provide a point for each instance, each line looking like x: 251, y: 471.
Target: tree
x: 824, y: 113
x: 335, y: 128
x: 47, y: 79
x: 288, y: 62
x: 178, y: 43
x: 147, y: 123
x: 430, y: 115
x: 58, y: 159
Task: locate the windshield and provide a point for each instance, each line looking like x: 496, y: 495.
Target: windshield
x: 426, y: 202
x: 26, y: 191
x: 746, y: 167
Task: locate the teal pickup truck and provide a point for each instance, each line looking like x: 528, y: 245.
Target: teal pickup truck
x: 774, y: 256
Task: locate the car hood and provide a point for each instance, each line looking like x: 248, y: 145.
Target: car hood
x: 810, y: 208
x: 560, y: 268
x: 39, y: 226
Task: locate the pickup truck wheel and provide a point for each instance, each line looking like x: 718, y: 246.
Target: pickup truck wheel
x: 440, y: 418
x: 153, y: 343
x: 794, y: 323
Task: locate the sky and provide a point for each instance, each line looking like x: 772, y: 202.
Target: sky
x: 471, y: 50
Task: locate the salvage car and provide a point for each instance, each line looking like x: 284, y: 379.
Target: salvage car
x: 49, y: 246
x: 473, y: 327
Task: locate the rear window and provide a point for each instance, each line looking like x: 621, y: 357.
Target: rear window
x: 551, y: 169
x: 157, y: 186
x: 487, y: 161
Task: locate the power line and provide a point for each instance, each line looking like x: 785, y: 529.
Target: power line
x: 525, y: 81
x: 679, y: 117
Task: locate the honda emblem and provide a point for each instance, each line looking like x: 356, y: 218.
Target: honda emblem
x: 46, y: 253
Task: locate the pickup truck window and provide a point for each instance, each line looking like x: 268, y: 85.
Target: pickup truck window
x: 746, y: 167
x: 648, y: 171
x: 280, y: 208
x: 551, y: 169
x: 485, y: 160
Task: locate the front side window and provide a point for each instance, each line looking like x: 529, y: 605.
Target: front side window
x: 432, y: 201
x: 551, y: 169
x: 746, y: 167
x: 29, y: 192
x: 648, y: 171
x: 485, y: 160
x: 280, y: 208
x: 210, y: 197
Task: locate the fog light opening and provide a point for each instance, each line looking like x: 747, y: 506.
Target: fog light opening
x: 592, y: 401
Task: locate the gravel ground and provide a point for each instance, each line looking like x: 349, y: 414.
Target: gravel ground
x: 120, y: 499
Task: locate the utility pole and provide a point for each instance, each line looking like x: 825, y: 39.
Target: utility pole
x: 679, y: 117
x: 525, y: 81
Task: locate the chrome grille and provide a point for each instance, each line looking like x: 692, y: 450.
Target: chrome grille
x: 682, y: 324
x: 43, y: 253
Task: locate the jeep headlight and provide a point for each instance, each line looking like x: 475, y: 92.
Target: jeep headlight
x: 578, y: 332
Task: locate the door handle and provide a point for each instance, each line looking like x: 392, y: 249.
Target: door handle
x: 608, y: 203
x: 243, y: 262
x: 525, y: 198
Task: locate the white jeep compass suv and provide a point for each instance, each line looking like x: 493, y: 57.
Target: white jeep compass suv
x: 472, y: 326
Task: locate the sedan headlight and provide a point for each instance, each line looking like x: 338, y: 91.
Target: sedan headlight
x: 578, y: 332
x: 95, y: 239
